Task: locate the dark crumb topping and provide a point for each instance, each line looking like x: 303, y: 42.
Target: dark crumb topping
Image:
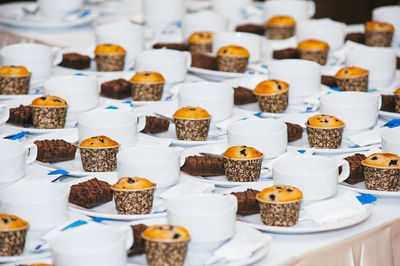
x: 43, y: 98
x: 5, y: 220
x: 176, y: 236
x: 225, y: 51
x: 393, y: 162
x: 272, y: 197
x: 101, y: 140
x: 131, y: 180
x: 243, y: 152
x: 374, y: 158
x: 147, y: 74
x: 192, y: 109
x: 57, y: 100
x: 289, y: 190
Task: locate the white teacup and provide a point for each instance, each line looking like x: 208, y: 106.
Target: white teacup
x: 316, y: 176
x: 358, y: 110
x: 209, y: 218
x: 161, y: 165
x: 4, y: 113
x: 230, y: 9
x: 216, y: 98
x: 121, y: 126
x: 299, y: 10
x: 42, y: 205
x: 391, y: 140
x: 390, y: 14
x: 252, y: 42
x: 269, y: 136
x: 59, y: 8
x: 171, y: 64
x: 13, y: 158
x: 381, y: 63
x: 159, y: 14
x: 202, y: 21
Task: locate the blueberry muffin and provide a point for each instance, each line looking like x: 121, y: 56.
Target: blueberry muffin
x: 99, y: 154
x: 12, y: 235
x: 314, y: 50
x: 201, y: 42
x: 232, y: 58
x: 110, y: 57
x: 272, y: 95
x: 280, y: 27
x: 378, y: 33
x: 49, y: 112
x: 352, y: 79
x: 147, y: 86
x: 14, y: 80
x: 397, y: 100
x: 382, y: 172
x: 325, y: 132
x: 192, y: 123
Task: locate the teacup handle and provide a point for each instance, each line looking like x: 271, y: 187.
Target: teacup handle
x: 379, y: 102
x: 188, y: 56
x: 345, y: 170
x: 151, y: 36
x: 57, y: 55
x: 311, y: 8
x: 32, y: 148
x: 5, y: 113
x: 126, y: 231
x: 141, y: 124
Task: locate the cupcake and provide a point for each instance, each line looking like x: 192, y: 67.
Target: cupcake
x: 279, y: 205
x: 397, y: 100
x: 110, y: 57
x: 99, y: 154
x: 232, y: 58
x: 324, y: 132
x: 165, y: 245
x: 242, y: 164
x: 133, y: 195
x: 14, y: 80
x: 272, y: 95
x: 147, y: 86
x: 12, y: 235
x: 382, y: 172
x: 280, y: 27
x: 201, y: 42
x: 192, y: 123
x: 314, y: 50
x: 378, y: 33
x: 49, y: 112
x: 352, y: 79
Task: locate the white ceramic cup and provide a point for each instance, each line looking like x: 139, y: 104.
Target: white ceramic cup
x: 121, y: 126
x: 159, y: 14
x: 230, y: 9
x: 202, y: 21
x: 37, y: 58
x: 303, y: 76
x: 58, y: 9
x: 216, y: 98
x: 172, y: 64
x: 316, y: 176
x: 161, y: 165
x: 269, y: 136
x: 390, y: 14
x: 358, y: 110
x: 209, y: 218
x: 42, y: 205
x: 391, y: 140
x: 379, y: 61
x: 299, y: 10
x: 4, y: 113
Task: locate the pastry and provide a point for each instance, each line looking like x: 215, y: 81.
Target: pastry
x: 280, y: 27
x: 352, y: 79
x: 192, y: 123
x: 356, y: 168
x: 247, y: 202
x: 49, y: 112
x: 280, y: 205
x: 116, y: 89
x: 40, y: 264
x: 232, y: 58
x: 203, y: 166
x: 288, y: 53
x: 166, y: 245
x: 54, y: 150
x: 388, y: 103
x: 75, y: 61
x: 14, y: 80
x: 133, y: 195
x: 358, y: 37
x: 172, y: 46
x: 242, y: 164
x: 155, y: 125
x: 243, y: 95
x: 12, y: 235
x: 329, y: 81
x: 90, y: 194
x: 272, y: 95
x: 382, y: 172
x: 378, y: 33
x: 314, y: 50
x: 252, y: 28
x: 201, y: 42
x: 324, y: 132
x: 21, y: 116
x: 110, y: 57
x: 99, y: 154
x: 295, y: 131
x: 205, y: 61
x: 147, y: 86
x: 397, y: 100
x: 138, y: 241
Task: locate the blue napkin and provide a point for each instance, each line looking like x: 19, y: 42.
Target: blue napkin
x: 392, y: 123
x: 17, y: 136
x: 366, y: 198
x: 60, y: 172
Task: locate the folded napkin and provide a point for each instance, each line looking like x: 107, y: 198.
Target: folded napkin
x: 367, y: 138
x: 187, y: 188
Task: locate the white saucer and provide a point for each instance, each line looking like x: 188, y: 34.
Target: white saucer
x: 389, y: 115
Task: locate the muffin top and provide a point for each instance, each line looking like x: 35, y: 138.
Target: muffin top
x: 108, y: 48
x: 242, y: 152
x: 47, y: 100
x: 324, y: 121
x: 281, y: 20
x: 98, y: 141
x: 148, y: 76
x: 233, y: 50
x: 280, y: 193
x: 379, y: 26
x: 346, y: 72
x: 40, y: 264
x: 166, y: 232
x: 397, y: 92
x: 192, y: 112
x: 313, y: 44
x: 271, y: 86
x: 9, y: 221
x: 383, y: 160
x: 133, y: 183
x: 201, y: 36
x: 14, y: 71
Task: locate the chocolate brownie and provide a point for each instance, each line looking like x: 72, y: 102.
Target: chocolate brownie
x: 329, y: 81
x: 173, y: 46
x: 388, y: 103
x: 21, y: 116
x: 398, y: 62
x: 205, y: 61
x: 90, y: 193
x: 203, y: 166
x: 54, y: 150
x: 247, y: 202
x: 358, y: 37
x: 75, y: 61
x: 138, y: 242
x: 252, y: 28
x: 155, y: 125
x: 356, y: 168
x: 116, y: 89
x: 295, y: 131
x: 288, y: 53
x: 243, y: 95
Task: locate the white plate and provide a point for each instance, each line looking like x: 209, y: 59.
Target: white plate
x: 389, y: 115
x: 302, y: 227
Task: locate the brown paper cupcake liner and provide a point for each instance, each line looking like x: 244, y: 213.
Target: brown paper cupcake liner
x: 192, y: 129
x: 273, y: 103
x: 49, y: 117
x: 12, y: 242
x: 14, y: 85
x: 147, y: 91
x: 353, y: 83
x: 133, y: 201
x: 397, y: 103
x: 102, y: 159
x: 382, y: 179
x: 378, y: 38
x: 235, y: 64
x: 160, y: 253
x: 247, y: 170
x: 325, y: 138
x: 319, y: 56
x: 279, y: 213
x: 280, y: 32
x: 200, y: 47
x: 113, y: 62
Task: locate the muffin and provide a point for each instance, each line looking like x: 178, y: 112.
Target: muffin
x: 99, y: 154
x: 12, y: 235
x: 110, y: 57
x: 133, y: 195
x: 382, y: 172
x: 201, y: 42
x: 242, y: 164
x: 192, y: 123
x: 40, y: 264
x: 14, y: 80
x: 281, y: 27
x: 49, y: 112
x: 165, y: 245
x: 279, y: 205
x: 232, y: 58
x: 397, y: 100
x: 324, y: 132
x: 378, y: 33
x: 352, y: 79
x: 272, y: 95
x: 147, y: 86
x: 314, y: 50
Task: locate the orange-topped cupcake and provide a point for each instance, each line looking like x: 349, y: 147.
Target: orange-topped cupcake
x: 352, y: 79
x: 133, y: 183
x: 109, y: 57
x: 382, y: 171
x: 242, y: 152
x: 280, y: 193
x: 232, y: 58
x: 109, y: 49
x: 99, y: 141
x: 147, y: 86
x: 325, y: 121
x: 281, y: 27
x: 233, y: 50
x: 347, y: 72
x: 201, y: 42
x: 12, y: 233
x: 272, y: 95
x: 397, y: 92
x: 148, y: 76
x: 49, y: 112
x: 49, y: 101
x: 166, y: 233
x: 281, y: 20
x: 271, y: 86
x: 192, y: 123
x: 383, y: 160
x: 14, y: 71
x: 99, y: 154
x: 325, y: 131
x: 314, y: 50
x: 312, y: 44
x: 378, y: 33
x: 192, y: 112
